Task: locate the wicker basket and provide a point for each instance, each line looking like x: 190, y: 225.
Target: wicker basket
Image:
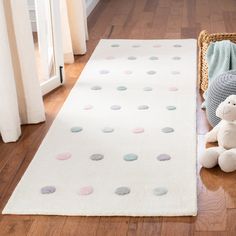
x: 204, y: 40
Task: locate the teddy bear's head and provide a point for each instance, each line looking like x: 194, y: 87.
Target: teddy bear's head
x: 227, y: 109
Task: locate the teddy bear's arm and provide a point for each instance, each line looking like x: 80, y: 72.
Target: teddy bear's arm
x: 211, y: 136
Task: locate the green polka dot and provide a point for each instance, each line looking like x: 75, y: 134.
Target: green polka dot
x: 167, y: 130
x: 153, y: 58
x: 130, y: 157
x: 160, y: 191
x: 107, y: 130
x: 76, y: 129
x: 121, y: 88
x: 151, y: 72
x: 171, y: 108
x: 96, y: 88
x: 147, y: 89
x: 115, y: 45
x: 122, y: 190
x: 132, y: 58
x: 143, y: 107
x: 96, y: 157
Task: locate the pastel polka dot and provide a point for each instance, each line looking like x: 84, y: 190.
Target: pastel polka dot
x: 86, y: 190
x: 173, y: 88
x: 115, y: 107
x: 171, y: 108
x: 121, y: 88
x: 110, y: 58
x: 156, y: 45
x: 177, y: 46
x: 88, y: 107
x: 128, y: 72
x: 147, y: 89
x: 115, y: 45
x: 151, y: 72
x: 136, y: 46
x: 176, y: 58
x: 96, y: 87
x: 175, y: 72
x: 138, y: 130
x: 132, y: 58
x: 163, y: 157
x: 104, y: 72
x: 96, y: 157
x: 122, y: 190
x: 107, y: 130
x: 167, y: 130
x: 48, y: 189
x: 76, y: 129
x: 130, y: 157
x: 63, y: 156
x: 160, y: 191
x: 143, y: 107
x: 153, y: 58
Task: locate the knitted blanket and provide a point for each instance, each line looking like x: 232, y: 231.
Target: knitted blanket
x: 221, y: 57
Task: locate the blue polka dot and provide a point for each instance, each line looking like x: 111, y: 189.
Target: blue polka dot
x: 76, y: 129
x: 130, y: 157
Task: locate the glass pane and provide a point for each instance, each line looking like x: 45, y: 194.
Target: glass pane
x: 42, y: 30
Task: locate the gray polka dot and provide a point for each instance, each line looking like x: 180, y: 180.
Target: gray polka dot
x: 96, y: 87
x: 76, y: 129
x: 160, y: 191
x: 175, y: 72
x: 115, y: 107
x: 151, y: 72
x: 104, y: 72
x: 136, y: 46
x: 167, y: 130
x: 121, y: 88
x: 132, y: 58
x: 130, y: 157
x: 153, y: 58
x: 171, y: 108
x: 96, y: 157
x: 107, y: 130
x: 48, y: 189
x: 143, y: 107
x: 163, y: 157
x: 115, y: 45
x: 147, y: 89
x: 176, y: 58
x: 122, y: 190
x: 177, y: 46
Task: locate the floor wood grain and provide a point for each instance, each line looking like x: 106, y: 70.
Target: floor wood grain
x: 137, y: 19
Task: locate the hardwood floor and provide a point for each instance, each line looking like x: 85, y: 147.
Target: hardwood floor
x: 138, y: 19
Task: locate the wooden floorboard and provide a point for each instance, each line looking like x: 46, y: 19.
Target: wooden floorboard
x: 132, y: 19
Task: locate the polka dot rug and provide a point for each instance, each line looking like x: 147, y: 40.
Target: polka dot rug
x: 124, y: 142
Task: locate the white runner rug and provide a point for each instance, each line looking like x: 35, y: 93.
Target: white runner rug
x: 124, y: 142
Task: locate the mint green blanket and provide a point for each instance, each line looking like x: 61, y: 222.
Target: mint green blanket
x: 221, y: 57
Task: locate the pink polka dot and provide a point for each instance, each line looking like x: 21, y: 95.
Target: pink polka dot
x: 110, y: 58
x: 138, y: 130
x: 128, y: 72
x: 172, y: 88
x: 157, y: 46
x: 86, y: 190
x: 88, y: 107
x: 63, y: 156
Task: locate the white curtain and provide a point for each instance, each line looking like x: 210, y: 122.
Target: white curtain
x: 20, y: 94
x: 74, y: 28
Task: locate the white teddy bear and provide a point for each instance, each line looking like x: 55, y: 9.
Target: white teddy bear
x: 225, y: 134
